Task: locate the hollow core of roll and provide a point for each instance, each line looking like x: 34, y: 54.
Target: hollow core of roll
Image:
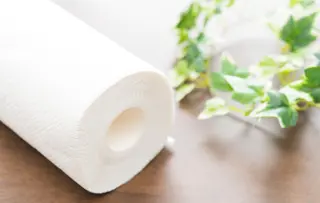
x: 126, y: 129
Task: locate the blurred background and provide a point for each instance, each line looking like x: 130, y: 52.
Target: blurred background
x: 145, y: 27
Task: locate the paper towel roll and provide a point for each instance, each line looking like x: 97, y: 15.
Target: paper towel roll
x: 97, y: 112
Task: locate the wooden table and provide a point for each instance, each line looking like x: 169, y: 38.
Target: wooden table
x: 215, y: 161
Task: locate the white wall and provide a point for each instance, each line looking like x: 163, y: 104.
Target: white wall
x: 144, y: 27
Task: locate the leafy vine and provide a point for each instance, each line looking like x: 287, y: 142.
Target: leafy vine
x: 251, y: 87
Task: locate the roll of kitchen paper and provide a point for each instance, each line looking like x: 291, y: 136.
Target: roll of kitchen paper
x: 97, y: 112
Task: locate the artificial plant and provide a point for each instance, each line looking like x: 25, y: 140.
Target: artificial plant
x: 252, y: 87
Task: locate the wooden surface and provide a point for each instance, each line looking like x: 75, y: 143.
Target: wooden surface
x: 216, y: 161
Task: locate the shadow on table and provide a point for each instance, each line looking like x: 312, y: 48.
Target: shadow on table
x: 277, y: 169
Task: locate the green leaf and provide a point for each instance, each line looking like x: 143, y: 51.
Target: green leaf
x: 189, y: 17
x: 268, y: 61
x: 242, y: 92
x: 228, y: 67
x: 183, y: 36
x: 238, y: 84
x: 201, y: 38
x: 297, y: 33
x: 192, y: 52
x: 214, y: 107
x: 303, y: 41
x: 298, y: 84
x: 182, y: 68
x: 293, y: 3
x: 175, y: 78
x: 271, y: 65
x: 179, y: 73
x: 267, y: 67
x: 308, y: 87
x: 278, y: 106
x: 244, y: 97
x: 277, y: 99
x: 257, y: 85
x: 249, y: 109
x: 183, y: 91
x: 218, y: 82
x: 218, y: 9
x: 295, y: 95
x: 288, y: 68
x: 242, y: 73
x: 198, y: 65
x: 231, y: 2
x: 313, y: 75
x: 286, y: 116
x: 315, y: 93
x: 194, y: 58
x: 208, y: 16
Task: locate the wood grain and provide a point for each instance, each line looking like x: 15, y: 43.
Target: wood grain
x: 221, y: 160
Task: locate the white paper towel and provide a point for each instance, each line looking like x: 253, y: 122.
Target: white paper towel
x: 97, y: 112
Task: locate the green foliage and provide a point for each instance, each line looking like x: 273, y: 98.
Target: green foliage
x: 294, y: 2
x: 189, y: 17
x: 297, y: 32
x: 218, y: 82
x: 295, y: 95
x: 313, y: 76
x: 180, y: 73
x: 230, y: 68
x: 310, y: 84
x: 243, y: 92
x: 250, y: 88
x: 229, y: 78
x: 284, y: 105
x: 303, y: 3
x: 214, y: 107
x: 286, y: 116
x: 192, y: 68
